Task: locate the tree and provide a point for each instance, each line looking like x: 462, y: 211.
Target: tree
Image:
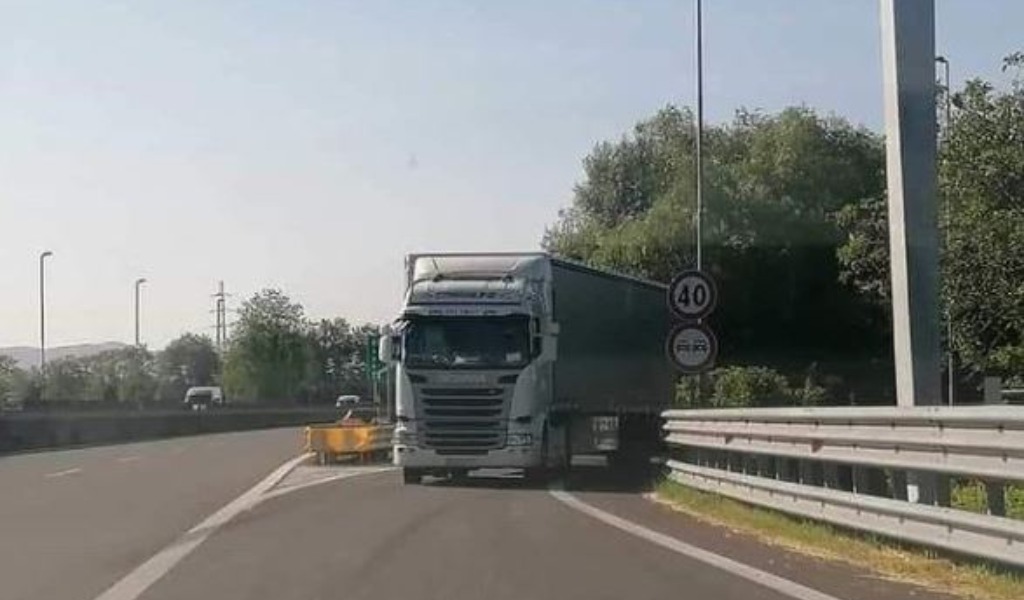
x: 268, y: 351
x: 65, y: 380
x: 136, y: 379
x: 336, y: 359
x: 124, y: 375
x: 187, y: 361
x: 981, y: 183
x: 8, y: 374
x: 773, y: 187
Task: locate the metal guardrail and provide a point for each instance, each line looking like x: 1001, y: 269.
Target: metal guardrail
x: 849, y: 466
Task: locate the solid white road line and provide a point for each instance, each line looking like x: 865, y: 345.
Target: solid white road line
x: 763, y: 578
x: 132, y: 585
x: 63, y: 473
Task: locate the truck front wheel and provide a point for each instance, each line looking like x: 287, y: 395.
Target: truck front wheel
x: 539, y: 475
x: 411, y: 476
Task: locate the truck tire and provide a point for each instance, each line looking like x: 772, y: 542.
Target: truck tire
x: 411, y: 476
x: 539, y: 475
x: 564, y: 467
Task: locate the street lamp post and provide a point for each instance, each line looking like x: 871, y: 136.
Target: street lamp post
x: 138, y: 285
x: 42, y: 322
x: 698, y: 224
x: 42, y: 308
x: 946, y: 115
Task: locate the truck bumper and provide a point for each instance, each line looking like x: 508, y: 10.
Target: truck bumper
x: 504, y: 458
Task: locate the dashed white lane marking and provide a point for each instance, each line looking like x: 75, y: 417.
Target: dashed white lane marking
x: 132, y: 585
x: 63, y: 473
x: 763, y: 578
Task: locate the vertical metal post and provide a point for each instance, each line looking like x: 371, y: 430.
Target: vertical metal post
x: 908, y: 57
x: 42, y: 322
x: 138, y: 284
x: 221, y: 327
x: 699, y: 217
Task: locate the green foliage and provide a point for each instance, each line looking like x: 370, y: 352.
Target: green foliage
x: 741, y: 387
x: 65, y: 380
x: 123, y: 375
x: 749, y: 386
x: 773, y: 187
x: 981, y: 182
x: 336, y: 359
x: 190, y: 360
x: 268, y: 352
x: 8, y: 375
x: 864, y: 257
x: 275, y: 355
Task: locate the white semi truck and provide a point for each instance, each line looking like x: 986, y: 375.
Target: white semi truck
x: 521, y: 361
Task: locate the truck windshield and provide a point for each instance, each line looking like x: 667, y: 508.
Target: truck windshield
x: 472, y: 342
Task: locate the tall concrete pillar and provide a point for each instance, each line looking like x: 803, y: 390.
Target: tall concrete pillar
x: 908, y: 56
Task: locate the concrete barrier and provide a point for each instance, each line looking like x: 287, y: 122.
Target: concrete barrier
x: 29, y: 430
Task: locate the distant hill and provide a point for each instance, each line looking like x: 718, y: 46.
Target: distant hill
x: 28, y: 357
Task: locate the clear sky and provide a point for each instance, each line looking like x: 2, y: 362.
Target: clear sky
x: 310, y: 144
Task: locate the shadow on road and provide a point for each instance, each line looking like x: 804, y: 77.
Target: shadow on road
x: 585, y: 478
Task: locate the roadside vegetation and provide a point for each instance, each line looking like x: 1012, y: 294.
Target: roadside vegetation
x: 795, y: 235
x: 883, y: 557
x: 274, y: 355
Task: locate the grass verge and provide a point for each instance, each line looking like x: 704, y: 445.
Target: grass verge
x: 883, y: 557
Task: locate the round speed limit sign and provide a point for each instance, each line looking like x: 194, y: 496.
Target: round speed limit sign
x: 692, y: 295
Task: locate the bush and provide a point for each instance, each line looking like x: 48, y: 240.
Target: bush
x: 749, y: 386
x: 739, y: 387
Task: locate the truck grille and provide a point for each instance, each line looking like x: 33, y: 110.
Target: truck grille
x: 467, y: 420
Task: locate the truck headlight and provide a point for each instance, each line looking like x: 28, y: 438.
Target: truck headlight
x: 519, y: 439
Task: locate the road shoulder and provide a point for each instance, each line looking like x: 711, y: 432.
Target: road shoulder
x: 830, y: 577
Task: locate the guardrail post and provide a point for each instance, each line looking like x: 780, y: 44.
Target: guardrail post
x: 869, y: 480
x: 786, y: 469
x: 749, y: 464
x: 830, y: 475
x: 811, y: 473
x: 722, y: 460
x: 996, y: 493
x: 943, y: 486
x: 845, y: 473
x: 899, y: 485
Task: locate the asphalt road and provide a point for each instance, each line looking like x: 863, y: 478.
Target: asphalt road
x: 74, y: 523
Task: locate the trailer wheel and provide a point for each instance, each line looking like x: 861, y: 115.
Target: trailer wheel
x: 411, y: 476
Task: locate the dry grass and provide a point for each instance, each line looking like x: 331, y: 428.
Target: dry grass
x: 883, y: 557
